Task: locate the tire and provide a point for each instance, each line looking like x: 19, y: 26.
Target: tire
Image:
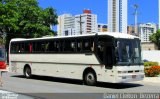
x: 90, y: 78
x: 27, y: 72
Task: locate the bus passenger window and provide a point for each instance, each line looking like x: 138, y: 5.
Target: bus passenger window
x: 30, y: 48
x: 66, y: 46
x: 59, y: 47
x: 42, y: 47
x: 46, y: 46
x: 79, y: 46
x: 26, y: 47
x: 55, y: 46
x: 50, y: 46
x: 14, y: 48
x: 87, y: 45
x: 21, y: 50
x: 73, y: 46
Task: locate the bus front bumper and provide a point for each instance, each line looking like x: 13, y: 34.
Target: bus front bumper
x: 129, y: 78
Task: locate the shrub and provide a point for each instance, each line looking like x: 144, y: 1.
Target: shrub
x: 150, y: 64
x: 153, y: 71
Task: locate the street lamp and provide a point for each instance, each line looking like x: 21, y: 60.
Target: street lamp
x: 136, y: 17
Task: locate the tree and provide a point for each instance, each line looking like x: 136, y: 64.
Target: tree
x: 34, y: 20
x: 19, y: 18
x: 8, y: 16
x: 8, y: 19
x: 24, y: 18
x: 155, y: 38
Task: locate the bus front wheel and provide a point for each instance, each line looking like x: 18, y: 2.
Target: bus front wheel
x: 90, y: 78
x: 27, y: 72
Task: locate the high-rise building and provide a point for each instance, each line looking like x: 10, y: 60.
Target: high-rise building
x: 117, y: 15
x: 146, y: 30
x: 85, y: 23
x: 65, y: 25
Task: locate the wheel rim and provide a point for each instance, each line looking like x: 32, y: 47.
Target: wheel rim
x: 90, y: 78
x: 28, y: 72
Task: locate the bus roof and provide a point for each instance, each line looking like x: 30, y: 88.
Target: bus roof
x: 111, y: 34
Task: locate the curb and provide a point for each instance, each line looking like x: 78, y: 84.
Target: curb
x: 152, y: 79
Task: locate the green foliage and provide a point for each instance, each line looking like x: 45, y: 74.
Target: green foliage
x: 155, y: 38
x: 21, y: 17
x: 8, y: 16
x: 34, y: 20
x: 146, y: 64
x: 24, y: 18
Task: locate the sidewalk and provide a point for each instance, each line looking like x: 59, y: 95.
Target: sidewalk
x: 152, y: 79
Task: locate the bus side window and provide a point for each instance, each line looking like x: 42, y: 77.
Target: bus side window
x: 87, y: 45
x: 56, y: 46
x: 50, y: 46
x: 17, y: 47
x: 59, y: 47
x: 21, y: 50
x: 26, y: 47
x: 14, y: 48
x: 73, y: 46
x: 38, y: 47
x: 46, y: 46
x: 79, y: 46
x: 42, y: 47
x: 67, y: 46
x: 33, y: 47
x: 30, y: 48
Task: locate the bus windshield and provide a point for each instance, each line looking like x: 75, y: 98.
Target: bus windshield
x: 128, y: 52
x: 2, y: 54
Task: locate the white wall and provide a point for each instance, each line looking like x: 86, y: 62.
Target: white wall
x: 153, y: 55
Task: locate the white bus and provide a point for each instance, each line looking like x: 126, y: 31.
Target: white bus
x: 104, y: 57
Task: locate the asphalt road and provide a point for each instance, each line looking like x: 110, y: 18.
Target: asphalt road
x: 41, y: 87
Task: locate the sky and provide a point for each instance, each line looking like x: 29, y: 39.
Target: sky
x: 147, y: 11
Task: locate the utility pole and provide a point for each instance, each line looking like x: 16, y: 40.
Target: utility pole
x: 80, y: 23
x: 136, y: 18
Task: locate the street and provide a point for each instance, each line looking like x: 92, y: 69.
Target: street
x: 58, y: 88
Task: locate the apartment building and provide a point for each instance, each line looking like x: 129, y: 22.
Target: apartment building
x: 117, y: 15
x: 146, y: 30
x: 85, y: 23
x: 66, y: 25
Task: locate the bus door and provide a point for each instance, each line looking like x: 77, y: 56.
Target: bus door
x: 108, y: 55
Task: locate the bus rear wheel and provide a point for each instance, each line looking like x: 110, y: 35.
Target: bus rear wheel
x: 27, y: 72
x: 90, y: 78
